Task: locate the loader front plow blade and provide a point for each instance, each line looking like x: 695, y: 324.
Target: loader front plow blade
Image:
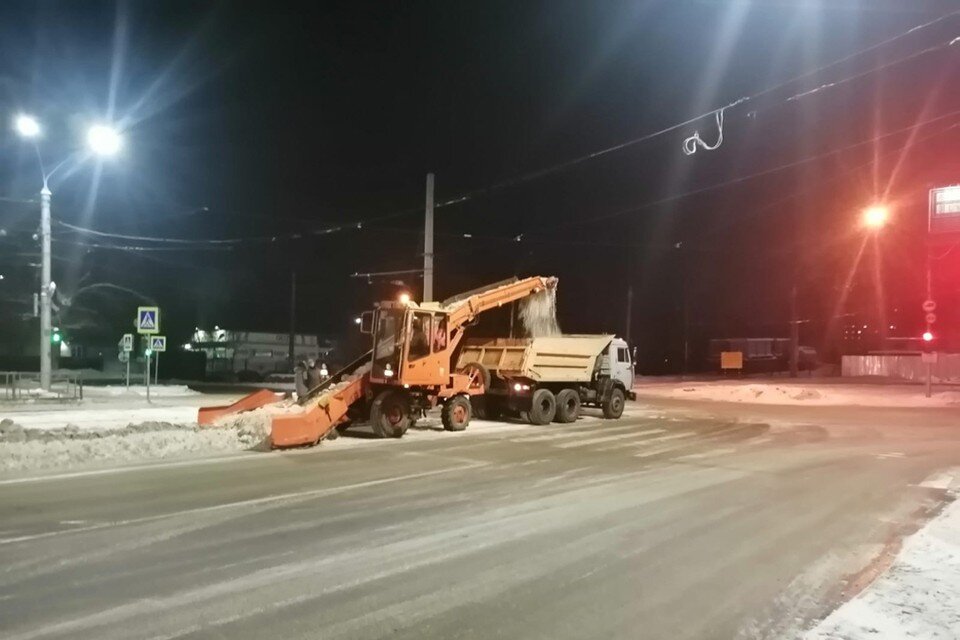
x: 255, y: 400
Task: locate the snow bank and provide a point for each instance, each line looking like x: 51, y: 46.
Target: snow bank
x: 809, y: 394
x: 95, y: 418
x: 29, y: 449
x: 918, y: 597
x: 140, y: 391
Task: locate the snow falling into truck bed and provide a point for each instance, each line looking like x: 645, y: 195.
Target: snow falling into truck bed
x: 539, y: 314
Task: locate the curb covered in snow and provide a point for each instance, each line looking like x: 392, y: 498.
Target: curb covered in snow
x: 917, y: 597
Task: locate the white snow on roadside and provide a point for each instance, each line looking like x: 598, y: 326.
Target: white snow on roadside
x: 140, y: 391
x: 99, y: 418
x: 917, y: 597
x: 139, y: 443
x: 807, y: 394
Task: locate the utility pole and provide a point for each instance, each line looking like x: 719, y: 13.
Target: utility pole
x: 794, y: 334
x: 45, y: 290
x: 428, y: 243
x: 293, y: 319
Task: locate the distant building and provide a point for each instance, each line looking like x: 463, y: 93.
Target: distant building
x: 254, y: 355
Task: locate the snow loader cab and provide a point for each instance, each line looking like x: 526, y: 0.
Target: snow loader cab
x: 408, y: 370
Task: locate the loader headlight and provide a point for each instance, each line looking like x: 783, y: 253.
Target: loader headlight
x: 324, y: 372
x: 388, y: 371
x: 517, y: 387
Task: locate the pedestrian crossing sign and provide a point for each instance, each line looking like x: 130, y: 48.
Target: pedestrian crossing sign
x: 148, y: 319
x: 158, y: 343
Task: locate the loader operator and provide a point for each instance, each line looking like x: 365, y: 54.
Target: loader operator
x: 419, y: 344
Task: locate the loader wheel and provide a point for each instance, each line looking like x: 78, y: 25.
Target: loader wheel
x: 390, y: 414
x: 455, y: 414
x: 613, y: 404
x: 568, y: 406
x: 479, y: 375
x: 543, y: 407
x: 333, y: 434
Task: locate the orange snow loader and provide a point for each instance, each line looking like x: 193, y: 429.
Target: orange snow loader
x: 408, y: 371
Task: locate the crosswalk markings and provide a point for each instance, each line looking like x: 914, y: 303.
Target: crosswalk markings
x: 707, y: 454
x: 602, y: 439
x: 561, y: 433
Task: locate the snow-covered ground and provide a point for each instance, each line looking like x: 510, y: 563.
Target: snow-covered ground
x: 802, y: 393
x: 917, y: 597
x: 114, y: 425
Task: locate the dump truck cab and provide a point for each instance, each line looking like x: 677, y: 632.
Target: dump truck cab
x: 617, y: 363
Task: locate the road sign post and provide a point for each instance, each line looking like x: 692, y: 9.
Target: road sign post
x: 126, y: 346
x: 158, y: 344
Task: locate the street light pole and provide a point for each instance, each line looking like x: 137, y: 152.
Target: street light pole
x: 102, y: 140
x: 45, y: 292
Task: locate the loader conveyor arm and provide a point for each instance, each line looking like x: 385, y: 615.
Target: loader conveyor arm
x: 466, y: 310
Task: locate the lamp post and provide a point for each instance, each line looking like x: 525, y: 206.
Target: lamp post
x: 103, y: 141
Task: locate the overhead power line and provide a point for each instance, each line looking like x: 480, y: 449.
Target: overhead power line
x: 690, y: 145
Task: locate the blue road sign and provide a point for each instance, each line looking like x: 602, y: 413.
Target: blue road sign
x: 158, y: 343
x: 148, y: 319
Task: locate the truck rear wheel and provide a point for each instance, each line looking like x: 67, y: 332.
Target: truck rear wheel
x: 568, y: 406
x: 613, y: 404
x: 486, y: 408
x: 455, y: 414
x: 543, y: 407
x: 390, y: 414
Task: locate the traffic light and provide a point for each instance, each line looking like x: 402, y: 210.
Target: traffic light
x: 56, y: 337
x: 148, y: 352
x: 927, y: 336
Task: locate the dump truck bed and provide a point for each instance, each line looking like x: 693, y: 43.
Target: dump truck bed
x: 569, y: 358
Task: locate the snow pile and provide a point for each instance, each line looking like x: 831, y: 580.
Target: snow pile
x: 918, y: 597
x: 538, y: 313
x: 803, y: 394
x: 94, y: 417
x: 32, y: 449
x: 139, y: 390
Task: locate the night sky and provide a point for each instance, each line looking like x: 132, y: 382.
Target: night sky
x: 261, y: 120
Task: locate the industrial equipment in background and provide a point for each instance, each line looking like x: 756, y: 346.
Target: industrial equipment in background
x: 251, y: 356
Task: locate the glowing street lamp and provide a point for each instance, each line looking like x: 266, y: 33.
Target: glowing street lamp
x: 26, y: 126
x: 104, y: 140
x: 875, y: 217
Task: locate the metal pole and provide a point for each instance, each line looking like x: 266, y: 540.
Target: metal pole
x: 428, y: 243
x: 45, y: 292
x: 148, y: 377
x: 156, y: 368
x: 291, y: 349
x: 929, y: 379
x: 794, y: 335
x: 128, y: 371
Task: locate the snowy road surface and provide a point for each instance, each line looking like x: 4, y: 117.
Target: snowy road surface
x: 672, y: 523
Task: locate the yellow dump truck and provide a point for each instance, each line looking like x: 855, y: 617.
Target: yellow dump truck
x: 550, y: 378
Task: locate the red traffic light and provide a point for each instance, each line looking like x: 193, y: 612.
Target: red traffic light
x: 927, y: 336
